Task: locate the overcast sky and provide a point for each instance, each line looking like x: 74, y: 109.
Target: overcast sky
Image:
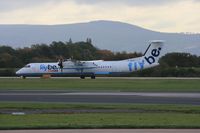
x: 159, y: 15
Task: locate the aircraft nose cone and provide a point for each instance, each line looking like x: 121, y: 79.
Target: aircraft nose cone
x: 18, y: 72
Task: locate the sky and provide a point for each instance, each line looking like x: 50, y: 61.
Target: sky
x: 158, y: 15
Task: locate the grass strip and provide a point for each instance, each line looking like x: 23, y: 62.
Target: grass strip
x: 76, y: 106
x: 100, y: 120
x: 123, y: 85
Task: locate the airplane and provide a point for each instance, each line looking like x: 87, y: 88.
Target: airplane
x: 95, y: 67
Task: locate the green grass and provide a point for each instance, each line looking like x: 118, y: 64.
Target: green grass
x: 105, y: 120
x: 136, y: 85
x: 137, y: 107
x: 146, y: 116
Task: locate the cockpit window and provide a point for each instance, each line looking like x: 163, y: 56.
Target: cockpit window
x: 27, y: 66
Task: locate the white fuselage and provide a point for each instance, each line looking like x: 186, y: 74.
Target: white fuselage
x: 96, y: 67
x: 101, y: 67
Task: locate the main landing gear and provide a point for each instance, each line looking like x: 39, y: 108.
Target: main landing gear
x: 93, y: 77
x: 83, y: 76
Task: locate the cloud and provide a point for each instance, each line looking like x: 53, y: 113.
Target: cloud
x: 128, y: 2
x: 196, y: 0
x: 168, y: 15
x: 10, y: 5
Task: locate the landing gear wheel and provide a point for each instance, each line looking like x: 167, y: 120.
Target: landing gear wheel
x: 93, y: 77
x: 23, y: 77
x: 82, y: 77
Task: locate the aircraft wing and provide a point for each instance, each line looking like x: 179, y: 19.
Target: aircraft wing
x: 74, y: 64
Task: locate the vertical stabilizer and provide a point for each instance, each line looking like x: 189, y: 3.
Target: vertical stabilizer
x: 153, y: 52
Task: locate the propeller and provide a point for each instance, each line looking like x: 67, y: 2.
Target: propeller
x: 60, y: 63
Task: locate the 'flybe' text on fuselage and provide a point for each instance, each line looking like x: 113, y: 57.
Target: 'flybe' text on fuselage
x: 139, y: 65
x: 48, y: 68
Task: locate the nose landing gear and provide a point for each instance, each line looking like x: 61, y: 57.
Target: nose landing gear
x: 23, y: 77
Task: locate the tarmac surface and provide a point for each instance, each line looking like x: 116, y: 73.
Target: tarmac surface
x: 101, y: 97
x: 131, y: 78
x: 105, y: 131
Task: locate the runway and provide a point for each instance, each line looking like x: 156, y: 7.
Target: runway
x: 127, y: 78
x: 101, y: 97
x: 105, y: 131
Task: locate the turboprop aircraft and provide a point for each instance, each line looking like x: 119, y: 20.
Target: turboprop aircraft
x: 95, y: 67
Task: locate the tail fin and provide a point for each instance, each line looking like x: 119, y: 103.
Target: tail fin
x: 153, y: 52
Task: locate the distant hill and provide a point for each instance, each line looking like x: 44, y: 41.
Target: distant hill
x: 115, y: 36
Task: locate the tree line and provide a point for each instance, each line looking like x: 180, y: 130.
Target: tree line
x: 171, y: 64
x: 16, y: 58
